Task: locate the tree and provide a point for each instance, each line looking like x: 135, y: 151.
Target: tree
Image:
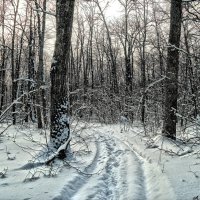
x: 127, y: 40
x: 171, y: 83
x: 114, y: 83
x: 13, y: 65
x: 3, y: 58
x: 142, y: 54
x: 60, y: 131
x: 40, y: 72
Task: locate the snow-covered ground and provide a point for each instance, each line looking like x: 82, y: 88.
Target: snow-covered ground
x: 106, y: 162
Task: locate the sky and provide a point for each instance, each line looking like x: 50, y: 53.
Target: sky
x: 113, y: 9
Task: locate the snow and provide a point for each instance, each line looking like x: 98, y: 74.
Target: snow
x: 25, y: 79
x: 54, y: 61
x: 106, y: 162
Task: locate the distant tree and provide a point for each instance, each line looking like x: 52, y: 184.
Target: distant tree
x: 29, y: 108
x: 13, y: 59
x: 127, y: 38
x: 142, y: 53
x: 3, y: 58
x: 112, y: 57
x: 41, y: 99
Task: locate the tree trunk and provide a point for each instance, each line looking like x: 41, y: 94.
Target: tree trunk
x: 14, y: 83
x: 171, y: 83
x: 31, y: 70
x: 60, y: 132
x: 3, y: 58
x: 114, y: 82
x: 40, y: 73
x: 193, y: 86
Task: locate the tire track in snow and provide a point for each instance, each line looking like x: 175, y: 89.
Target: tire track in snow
x: 122, y: 173
x: 71, y: 188
x: 123, y: 177
x: 108, y: 177
x: 157, y: 185
x: 134, y: 176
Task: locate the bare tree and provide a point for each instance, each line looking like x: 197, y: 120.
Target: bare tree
x: 14, y: 71
x: 3, y: 58
x: 171, y: 83
x: 114, y: 83
x: 60, y: 131
x: 41, y: 100
x: 127, y: 43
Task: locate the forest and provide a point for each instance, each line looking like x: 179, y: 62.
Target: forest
x: 104, y: 90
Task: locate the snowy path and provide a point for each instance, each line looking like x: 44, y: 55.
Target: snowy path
x: 114, y: 165
x: 118, y: 174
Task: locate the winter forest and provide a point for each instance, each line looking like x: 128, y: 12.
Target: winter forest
x: 100, y: 99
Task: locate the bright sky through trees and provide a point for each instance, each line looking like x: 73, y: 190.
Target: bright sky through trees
x: 113, y: 9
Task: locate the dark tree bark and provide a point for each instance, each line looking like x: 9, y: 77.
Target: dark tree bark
x: 114, y: 82
x: 31, y: 70
x: 127, y: 47
x: 142, y: 53
x: 40, y: 73
x: 3, y: 60
x: 193, y: 86
x: 171, y: 83
x: 60, y: 132
x: 13, y: 76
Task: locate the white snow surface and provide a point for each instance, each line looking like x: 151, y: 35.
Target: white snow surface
x: 107, y: 162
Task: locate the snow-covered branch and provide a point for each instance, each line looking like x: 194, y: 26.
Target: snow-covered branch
x: 182, y: 50
x: 44, y: 11
x: 61, y: 149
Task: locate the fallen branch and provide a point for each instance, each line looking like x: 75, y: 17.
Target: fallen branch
x: 5, y: 129
x: 60, y: 153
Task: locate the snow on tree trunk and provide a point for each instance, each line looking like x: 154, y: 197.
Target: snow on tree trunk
x: 171, y: 84
x: 60, y: 131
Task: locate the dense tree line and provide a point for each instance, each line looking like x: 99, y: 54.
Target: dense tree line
x: 142, y: 64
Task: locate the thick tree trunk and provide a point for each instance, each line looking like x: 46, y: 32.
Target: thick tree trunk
x: 60, y: 131
x: 171, y: 84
